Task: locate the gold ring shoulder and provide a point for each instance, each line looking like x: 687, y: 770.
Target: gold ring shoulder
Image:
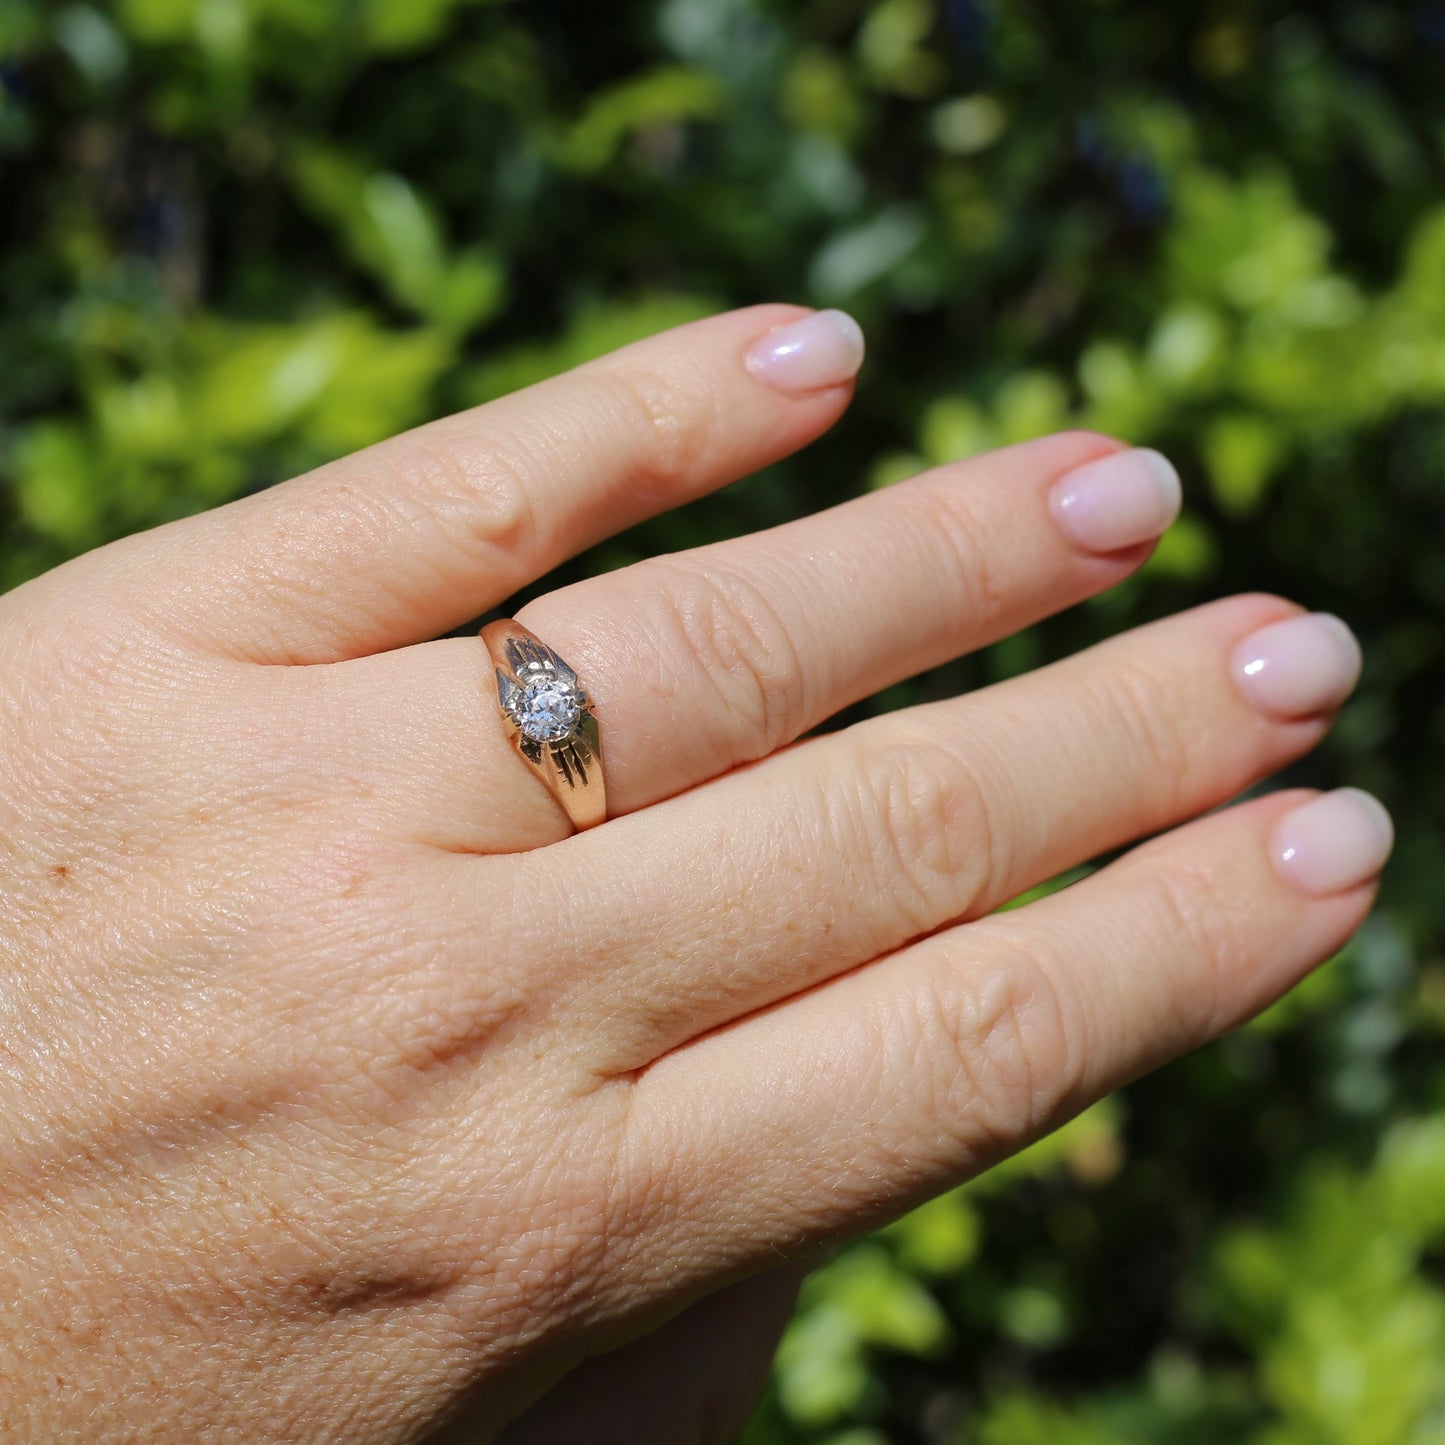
x: 571, y: 767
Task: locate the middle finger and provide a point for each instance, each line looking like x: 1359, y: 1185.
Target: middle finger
x: 767, y: 882
x: 702, y: 661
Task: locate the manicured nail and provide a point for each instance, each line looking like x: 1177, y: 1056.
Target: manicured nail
x: 1332, y: 843
x: 819, y: 351
x: 1298, y: 667
x: 1117, y: 501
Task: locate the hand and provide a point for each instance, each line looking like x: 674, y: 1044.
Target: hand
x: 341, y: 1089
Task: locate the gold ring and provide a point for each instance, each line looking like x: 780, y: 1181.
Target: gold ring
x: 550, y: 718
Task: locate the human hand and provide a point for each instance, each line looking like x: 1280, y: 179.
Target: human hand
x: 341, y: 1088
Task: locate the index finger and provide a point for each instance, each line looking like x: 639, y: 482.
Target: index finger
x: 414, y: 536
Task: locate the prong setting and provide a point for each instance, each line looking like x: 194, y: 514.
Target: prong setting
x: 542, y: 697
x: 545, y: 706
x: 554, y: 727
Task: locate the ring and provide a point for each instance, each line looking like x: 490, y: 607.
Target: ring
x: 552, y: 723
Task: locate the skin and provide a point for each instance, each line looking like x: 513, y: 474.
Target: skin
x: 345, y: 1096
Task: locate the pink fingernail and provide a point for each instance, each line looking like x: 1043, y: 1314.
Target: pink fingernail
x: 1298, y: 667
x: 1117, y: 501
x: 822, y: 350
x: 1332, y: 843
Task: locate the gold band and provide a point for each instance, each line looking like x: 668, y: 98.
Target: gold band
x: 550, y: 719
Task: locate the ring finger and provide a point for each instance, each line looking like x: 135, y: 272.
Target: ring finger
x: 853, y: 844
x: 702, y: 661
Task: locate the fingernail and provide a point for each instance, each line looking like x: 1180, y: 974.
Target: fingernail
x: 822, y: 350
x: 1334, y: 842
x: 1299, y: 667
x: 1117, y: 501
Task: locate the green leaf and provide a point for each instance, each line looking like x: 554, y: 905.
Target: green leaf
x: 884, y: 1304
x: 383, y: 385
x: 257, y: 381
x: 1028, y: 1420
x: 1187, y: 348
x: 92, y: 42
x: 1080, y: 1142
x: 396, y: 26
x: 938, y: 1238
x: 54, y: 488
x: 892, y: 51
x: 953, y: 428
x: 1187, y: 551
x: 402, y: 236
x: 859, y: 1300
x: 1030, y: 404
x: 1411, y: 1171
x: 860, y: 256
x: 158, y: 21
x: 893, y: 467
x: 668, y: 95
x: 1242, y: 451
x: 390, y: 229
x: 1033, y: 1316
x: 818, y: 94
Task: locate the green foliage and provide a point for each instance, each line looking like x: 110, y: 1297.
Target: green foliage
x: 394, y: 235
x: 1348, y: 1330
x: 244, y: 236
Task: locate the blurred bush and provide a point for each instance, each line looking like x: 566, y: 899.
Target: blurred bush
x: 242, y: 236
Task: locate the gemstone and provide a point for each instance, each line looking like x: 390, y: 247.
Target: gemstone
x: 546, y: 709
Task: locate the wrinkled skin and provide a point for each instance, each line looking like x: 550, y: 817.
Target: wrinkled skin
x: 346, y: 1095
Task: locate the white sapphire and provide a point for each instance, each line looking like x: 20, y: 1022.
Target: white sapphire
x: 546, y: 709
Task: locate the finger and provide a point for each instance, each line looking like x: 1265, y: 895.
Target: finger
x: 698, y: 662
x: 852, y: 844
x: 695, y: 1379
x: 859, y: 1099
x: 418, y: 534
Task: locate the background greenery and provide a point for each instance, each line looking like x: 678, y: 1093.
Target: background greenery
x: 242, y: 236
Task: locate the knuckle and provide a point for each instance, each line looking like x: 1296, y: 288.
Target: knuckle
x: 950, y: 520
x: 745, y: 651
x: 1202, y: 932
x: 924, y: 819
x: 355, y: 510
x: 491, y: 488
x: 1005, y: 1047
x: 667, y: 426
x: 1161, y: 728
